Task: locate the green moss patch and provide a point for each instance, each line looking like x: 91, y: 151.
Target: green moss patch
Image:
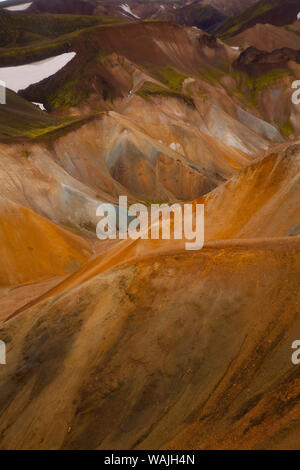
x: 211, y: 74
x: 38, y: 45
x: 21, y: 120
x: 23, y: 29
x: 169, y: 76
x: 234, y: 25
x: 151, y: 89
x: 271, y: 77
x: 286, y: 128
x: 248, y: 87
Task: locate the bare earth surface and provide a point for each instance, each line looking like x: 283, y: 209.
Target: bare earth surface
x: 141, y: 344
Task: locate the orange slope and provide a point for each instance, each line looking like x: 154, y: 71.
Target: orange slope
x: 32, y: 248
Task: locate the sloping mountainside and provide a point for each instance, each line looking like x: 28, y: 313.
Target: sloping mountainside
x: 76, y: 7
x: 231, y: 7
x: 180, y: 391
x: 20, y: 120
x: 195, y: 69
x: 198, y: 13
x: 275, y: 12
x: 270, y: 190
x: 19, y: 29
x: 266, y: 37
x: 35, y: 258
x: 141, y: 343
x: 205, y: 14
x: 135, y: 8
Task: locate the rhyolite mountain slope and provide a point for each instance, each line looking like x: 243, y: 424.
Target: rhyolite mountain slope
x: 188, y: 65
x: 275, y: 12
x: 143, y: 335
x: 204, y: 111
x: 205, y: 14
x: 190, y: 85
x: 150, y: 346
x: 267, y: 37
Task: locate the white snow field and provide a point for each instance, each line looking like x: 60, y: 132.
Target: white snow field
x: 21, y: 7
x: 22, y: 76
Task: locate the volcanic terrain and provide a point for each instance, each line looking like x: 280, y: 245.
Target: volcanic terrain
x: 142, y: 344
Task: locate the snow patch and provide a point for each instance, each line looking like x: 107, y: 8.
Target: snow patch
x: 127, y: 8
x: 21, y: 7
x: 22, y: 76
x: 39, y: 105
